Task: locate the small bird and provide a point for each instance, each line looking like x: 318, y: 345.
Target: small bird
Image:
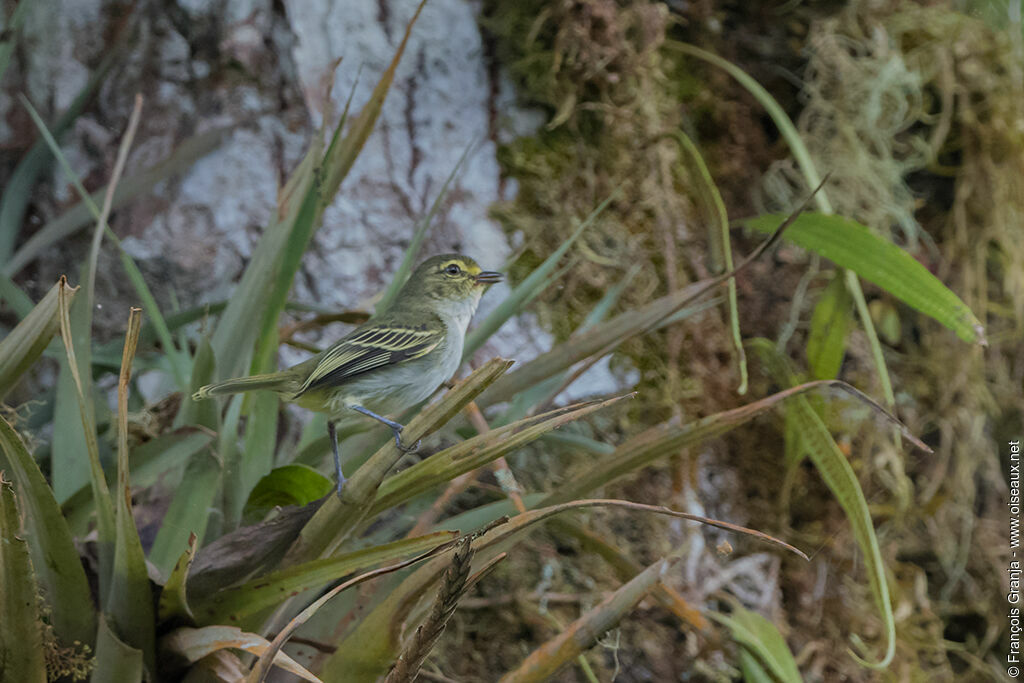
x: 389, y: 363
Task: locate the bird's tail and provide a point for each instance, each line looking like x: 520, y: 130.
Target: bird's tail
x: 273, y: 381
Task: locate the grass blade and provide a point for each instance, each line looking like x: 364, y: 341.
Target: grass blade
x: 129, y: 604
x: 851, y: 245
x: 100, y: 493
x: 767, y: 647
x: 714, y: 200
x: 667, y: 438
x: 26, y: 342
x: 826, y: 340
x: 840, y: 478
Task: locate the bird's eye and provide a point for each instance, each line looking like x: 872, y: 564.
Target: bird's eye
x: 452, y: 269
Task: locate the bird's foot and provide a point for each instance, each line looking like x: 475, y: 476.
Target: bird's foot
x: 397, y: 431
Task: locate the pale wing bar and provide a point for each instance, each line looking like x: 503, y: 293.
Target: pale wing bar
x: 370, y: 349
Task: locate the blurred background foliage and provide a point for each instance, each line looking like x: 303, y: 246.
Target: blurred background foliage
x: 655, y: 159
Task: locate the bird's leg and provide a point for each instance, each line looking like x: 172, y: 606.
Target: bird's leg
x: 332, y: 435
x: 396, y: 428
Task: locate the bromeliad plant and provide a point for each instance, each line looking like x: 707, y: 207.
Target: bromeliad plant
x: 246, y: 549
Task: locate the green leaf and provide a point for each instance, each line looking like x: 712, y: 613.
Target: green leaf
x: 149, y: 462
x: 173, y: 604
x: 79, y: 387
x: 21, y: 646
x: 286, y: 485
x: 852, y: 245
x: 59, y: 570
x: 129, y: 604
x: 826, y: 341
x: 26, y: 342
x: 840, y: 478
x: 763, y: 642
x: 115, y: 659
x: 188, y: 513
x: 719, y: 239
x: 240, y: 602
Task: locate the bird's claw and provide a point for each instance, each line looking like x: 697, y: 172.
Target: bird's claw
x: 401, y: 446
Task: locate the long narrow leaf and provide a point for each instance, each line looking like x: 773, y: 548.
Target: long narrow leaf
x: 26, y: 342
x: 852, y: 245
x: 100, y: 492
x: 239, y: 602
x: 714, y: 200
x: 21, y: 647
x: 668, y: 438
x: 826, y: 339
x: 58, y: 568
x: 762, y: 640
x: 129, y: 605
x: 840, y: 478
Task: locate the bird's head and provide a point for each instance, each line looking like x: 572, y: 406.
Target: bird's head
x: 453, y: 278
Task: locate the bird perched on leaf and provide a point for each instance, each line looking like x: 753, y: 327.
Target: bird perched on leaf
x: 390, y: 363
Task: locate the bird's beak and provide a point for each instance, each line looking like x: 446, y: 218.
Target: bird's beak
x: 488, y: 277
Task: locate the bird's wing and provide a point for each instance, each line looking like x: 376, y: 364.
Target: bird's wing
x: 372, y: 346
